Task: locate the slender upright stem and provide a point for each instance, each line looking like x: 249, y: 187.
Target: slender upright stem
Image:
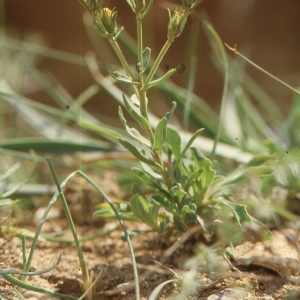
x: 263, y: 70
x: 157, y: 62
x: 122, y: 58
x: 140, y: 43
x: 144, y: 113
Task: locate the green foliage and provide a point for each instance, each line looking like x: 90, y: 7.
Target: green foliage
x: 176, y: 185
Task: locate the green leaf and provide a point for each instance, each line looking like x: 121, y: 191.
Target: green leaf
x: 139, y: 118
x: 132, y: 131
x: 170, y: 31
x: 145, y: 58
x: 160, y: 79
x: 141, y: 208
x: 180, y: 223
x: 155, y: 293
x: 147, y: 9
x: 133, y: 233
x: 120, y: 77
x: 145, y: 177
x: 135, y: 152
x: 198, y: 157
x: 174, y: 140
x: 239, y: 210
x: 261, y: 171
x: 170, y: 113
x: 260, y: 159
x: 241, y: 214
x: 189, y: 143
x: 202, y: 163
x: 208, y: 174
x: 195, y: 176
x: 99, y: 129
x: 160, y: 135
x: 177, y: 191
x: 188, y: 214
x: 106, y: 211
x: 166, y: 203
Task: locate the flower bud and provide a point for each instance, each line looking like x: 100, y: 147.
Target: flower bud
x: 138, y: 6
x: 176, y: 24
x: 105, y: 22
x: 93, y: 6
x: 190, y: 4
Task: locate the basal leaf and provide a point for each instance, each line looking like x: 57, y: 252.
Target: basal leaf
x: 259, y: 160
x: 261, y: 171
x: 188, y: 214
x: 135, y: 152
x: 187, y: 146
x: 141, y: 208
x: 241, y: 214
x: 195, y: 176
x: 177, y: 191
x: 174, y: 140
x: 145, y: 177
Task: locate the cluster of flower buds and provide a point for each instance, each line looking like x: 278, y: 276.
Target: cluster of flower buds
x: 190, y: 4
x: 178, y: 19
x: 93, y: 6
x: 138, y: 6
x: 176, y: 24
x: 105, y: 19
x: 105, y: 22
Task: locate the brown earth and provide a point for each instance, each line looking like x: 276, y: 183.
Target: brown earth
x: 156, y: 261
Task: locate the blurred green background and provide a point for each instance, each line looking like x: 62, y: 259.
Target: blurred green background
x: 268, y: 32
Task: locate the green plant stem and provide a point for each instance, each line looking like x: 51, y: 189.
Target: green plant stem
x: 140, y: 43
x: 219, y: 43
x: 144, y: 113
x: 157, y: 62
x: 122, y: 58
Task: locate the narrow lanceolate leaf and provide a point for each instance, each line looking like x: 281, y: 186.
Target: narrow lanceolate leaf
x: 135, y: 152
x: 241, y: 214
x: 161, y: 79
x: 158, y: 289
x: 145, y: 177
x: 145, y: 58
x: 120, y: 77
x: 132, y: 131
x: 170, y: 113
x: 139, y: 118
x: 141, y: 208
x: 194, y: 177
x: 188, y: 145
x: 160, y: 135
x: 174, y: 140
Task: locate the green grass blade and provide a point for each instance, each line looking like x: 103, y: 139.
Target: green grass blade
x: 187, y: 146
x: 220, y: 52
x: 137, y: 289
x: 155, y: 293
x: 29, y: 287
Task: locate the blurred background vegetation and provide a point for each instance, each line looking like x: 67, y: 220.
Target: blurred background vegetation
x: 265, y: 31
